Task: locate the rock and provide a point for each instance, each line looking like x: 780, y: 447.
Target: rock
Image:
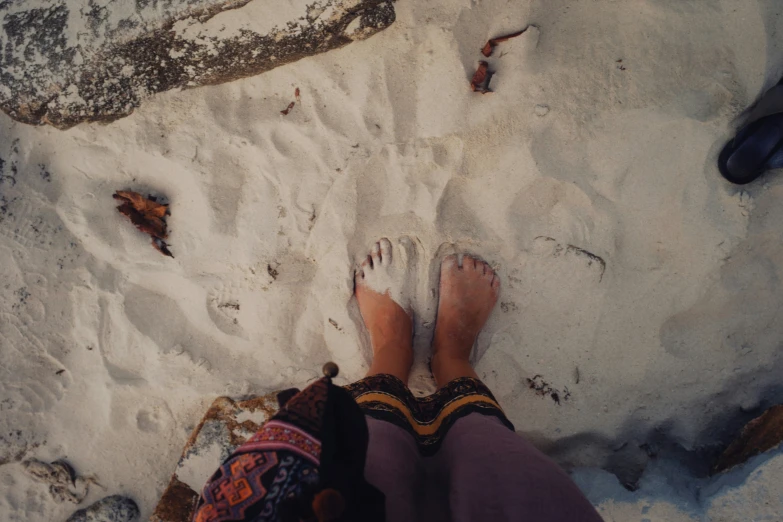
x: 65, y: 61
x: 64, y: 484
x: 226, y: 425
x: 177, y: 503
x: 114, y: 508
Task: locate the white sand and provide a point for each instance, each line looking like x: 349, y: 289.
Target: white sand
x: 679, y: 332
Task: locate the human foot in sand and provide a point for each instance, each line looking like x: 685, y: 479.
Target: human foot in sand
x: 383, y: 286
x: 467, y: 296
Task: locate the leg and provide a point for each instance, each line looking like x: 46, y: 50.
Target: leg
x: 394, y: 465
x: 468, y: 294
x: 494, y: 474
x: 383, y: 276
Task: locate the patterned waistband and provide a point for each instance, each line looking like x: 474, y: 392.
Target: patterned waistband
x: 428, y: 419
x: 281, y: 436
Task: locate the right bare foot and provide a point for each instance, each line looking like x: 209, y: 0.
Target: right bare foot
x: 467, y: 296
x: 383, y: 289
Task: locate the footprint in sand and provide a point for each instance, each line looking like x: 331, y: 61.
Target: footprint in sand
x: 544, y: 246
x: 153, y: 414
x: 32, y: 383
x: 160, y: 318
x: 553, y: 279
x: 224, y: 306
x: 147, y: 421
x: 551, y: 307
x: 33, y: 379
x: 28, y: 226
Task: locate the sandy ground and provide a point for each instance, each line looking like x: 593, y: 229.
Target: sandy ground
x: 638, y: 286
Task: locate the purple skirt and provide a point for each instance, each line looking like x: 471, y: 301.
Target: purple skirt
x: 454, y: 456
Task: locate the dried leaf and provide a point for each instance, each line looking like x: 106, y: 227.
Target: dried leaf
x: 490, y: 45
x: 288, y: 109
x: 147, y: 215
x: 759, y: 435
x: 148, y: 224
x: 480, y: 81
x: 145, y: 206
x: 296, y: 94
x: 487, y: 49
x: 161, y: 247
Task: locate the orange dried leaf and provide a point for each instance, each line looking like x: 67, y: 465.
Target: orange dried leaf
x: 142, y: 204
x: 146, y: 214
x: 759, y: 435
x: 480, y: 81
x: 490, y: 45
x: 288, y: 109
x: 133, y: 198
x: 157, y: 210
x: 487, y: 50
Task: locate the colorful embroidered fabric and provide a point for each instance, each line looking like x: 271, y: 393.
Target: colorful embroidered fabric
x: 275, y: 473
x: 305, y: 464
x: 428, y: 419
x: 254, y: 486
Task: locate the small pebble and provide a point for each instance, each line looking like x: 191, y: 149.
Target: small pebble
x: 542, y: 110
x: 114, y: 508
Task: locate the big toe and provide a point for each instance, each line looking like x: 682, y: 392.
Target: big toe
x: 449, y: 263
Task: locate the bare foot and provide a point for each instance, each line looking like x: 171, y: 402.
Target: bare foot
x: 467, y: 296
x: 383, y: 285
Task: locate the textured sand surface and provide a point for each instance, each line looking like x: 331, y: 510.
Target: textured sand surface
x: 637, y: 285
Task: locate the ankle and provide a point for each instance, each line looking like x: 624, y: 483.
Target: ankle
x: 446, y: 367
x: 400, y: 343
x: 392, y: 360
x: 452, y: 346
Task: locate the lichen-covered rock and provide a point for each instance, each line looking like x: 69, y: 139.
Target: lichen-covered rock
x: 64, y: 484
x: 64, y: 62
x: 225, y: 426
x: 114, y: 508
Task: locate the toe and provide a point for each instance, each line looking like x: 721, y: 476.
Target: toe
x: 488, y: 272
x: 449, y: 263
x: 470, y: 263
x: 376, y: 254
x: 367, y: 264
x: 496, y: 282
x: 386, y: 251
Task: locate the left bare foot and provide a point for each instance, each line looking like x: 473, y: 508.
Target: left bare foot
x: 382, y: 286
x: 468, y: 294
